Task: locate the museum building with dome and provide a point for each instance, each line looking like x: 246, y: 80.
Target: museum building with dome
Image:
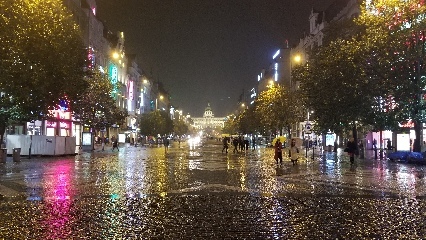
x: 208, y: 120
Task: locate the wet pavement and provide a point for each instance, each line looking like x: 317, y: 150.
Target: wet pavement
x: 198, y: 192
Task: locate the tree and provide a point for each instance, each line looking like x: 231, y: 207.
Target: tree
x: 248, y: 121
x: 395, y: 39
x: 155, y: 123
x: 230, y: 125
x: 332, y: 79
x: 43, y: 56
x: 9, y: 113
x: 96, y: 107
x: 180, y: 128
x: 279, y: 108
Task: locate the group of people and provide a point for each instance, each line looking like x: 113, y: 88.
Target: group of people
x: 239, y: 143
x: 293, y: 151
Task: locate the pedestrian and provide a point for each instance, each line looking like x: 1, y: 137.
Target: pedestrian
x: 389, y: 145
x: 246, y: 143
x: 166, y: 144
x: 241, y: 143
x: 103, y: 144
x: 351, y: 148
x: 294, y: 152
x: 253, y: 143
x: 225, y: 144
x: 235, y: 144
x: 361, y: 149
x: 278, y: 151
x: 115, y: 145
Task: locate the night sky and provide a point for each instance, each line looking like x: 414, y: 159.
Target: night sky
x: 207, y: 50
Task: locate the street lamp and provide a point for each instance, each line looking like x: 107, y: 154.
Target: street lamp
x: 115, y: 55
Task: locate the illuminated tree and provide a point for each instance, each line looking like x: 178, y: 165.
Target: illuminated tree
x: 42, y: 56
x: 371, y: 71
x: 395, y: 42
x: 230, y: 125
x: 279, y: 108
x: 96, y: 107
x: 333, y: 87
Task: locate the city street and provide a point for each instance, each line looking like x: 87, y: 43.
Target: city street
x: 198, y: 192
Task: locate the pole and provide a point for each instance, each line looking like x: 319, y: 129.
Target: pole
x: 306, y: 146
x: 381, y: 147
x: 31, y: 143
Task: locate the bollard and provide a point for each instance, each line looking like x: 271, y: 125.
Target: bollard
x: 17, y: 154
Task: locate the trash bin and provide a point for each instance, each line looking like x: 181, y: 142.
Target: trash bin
x: 3, y: 155
x: 17, y: 154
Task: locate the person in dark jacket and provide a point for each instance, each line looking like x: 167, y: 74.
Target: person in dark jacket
x: 225, y: 144
x: 351, y: 149
x: 235, y: 144
x: 278, y: 151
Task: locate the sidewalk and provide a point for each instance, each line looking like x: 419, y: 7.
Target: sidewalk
x: 319, y: 154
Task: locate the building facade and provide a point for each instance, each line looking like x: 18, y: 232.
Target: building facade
x: 208, y: 121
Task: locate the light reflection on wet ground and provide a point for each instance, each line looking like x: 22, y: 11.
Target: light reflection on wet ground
x: 201, y: 193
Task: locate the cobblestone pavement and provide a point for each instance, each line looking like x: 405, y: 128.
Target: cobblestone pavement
x: 198, y: 192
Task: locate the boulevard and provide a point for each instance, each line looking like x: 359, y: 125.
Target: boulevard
x: 198, y: 192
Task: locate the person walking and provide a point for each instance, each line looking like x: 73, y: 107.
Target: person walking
x: 235, y: 144
x: 351, y: 149
x: 115, y: 145
x: 225, y: 144
x: 253, y: 143
x: 246, y: 143
x: 241, y: 143
x: 294, y: 152
x: 166, y: 144
x: 361, y: 149
x: 278, y: 151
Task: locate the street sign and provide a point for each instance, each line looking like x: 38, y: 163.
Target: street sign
x: 308, y: 128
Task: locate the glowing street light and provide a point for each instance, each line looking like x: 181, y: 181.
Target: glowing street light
x: 297, y: 58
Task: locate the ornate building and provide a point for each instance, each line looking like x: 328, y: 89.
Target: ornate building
x: 208, y: 120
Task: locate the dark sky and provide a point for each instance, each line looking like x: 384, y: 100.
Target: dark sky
x: 207, y: 50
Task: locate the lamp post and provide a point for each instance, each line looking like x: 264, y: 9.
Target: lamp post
x: 308, y: 132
